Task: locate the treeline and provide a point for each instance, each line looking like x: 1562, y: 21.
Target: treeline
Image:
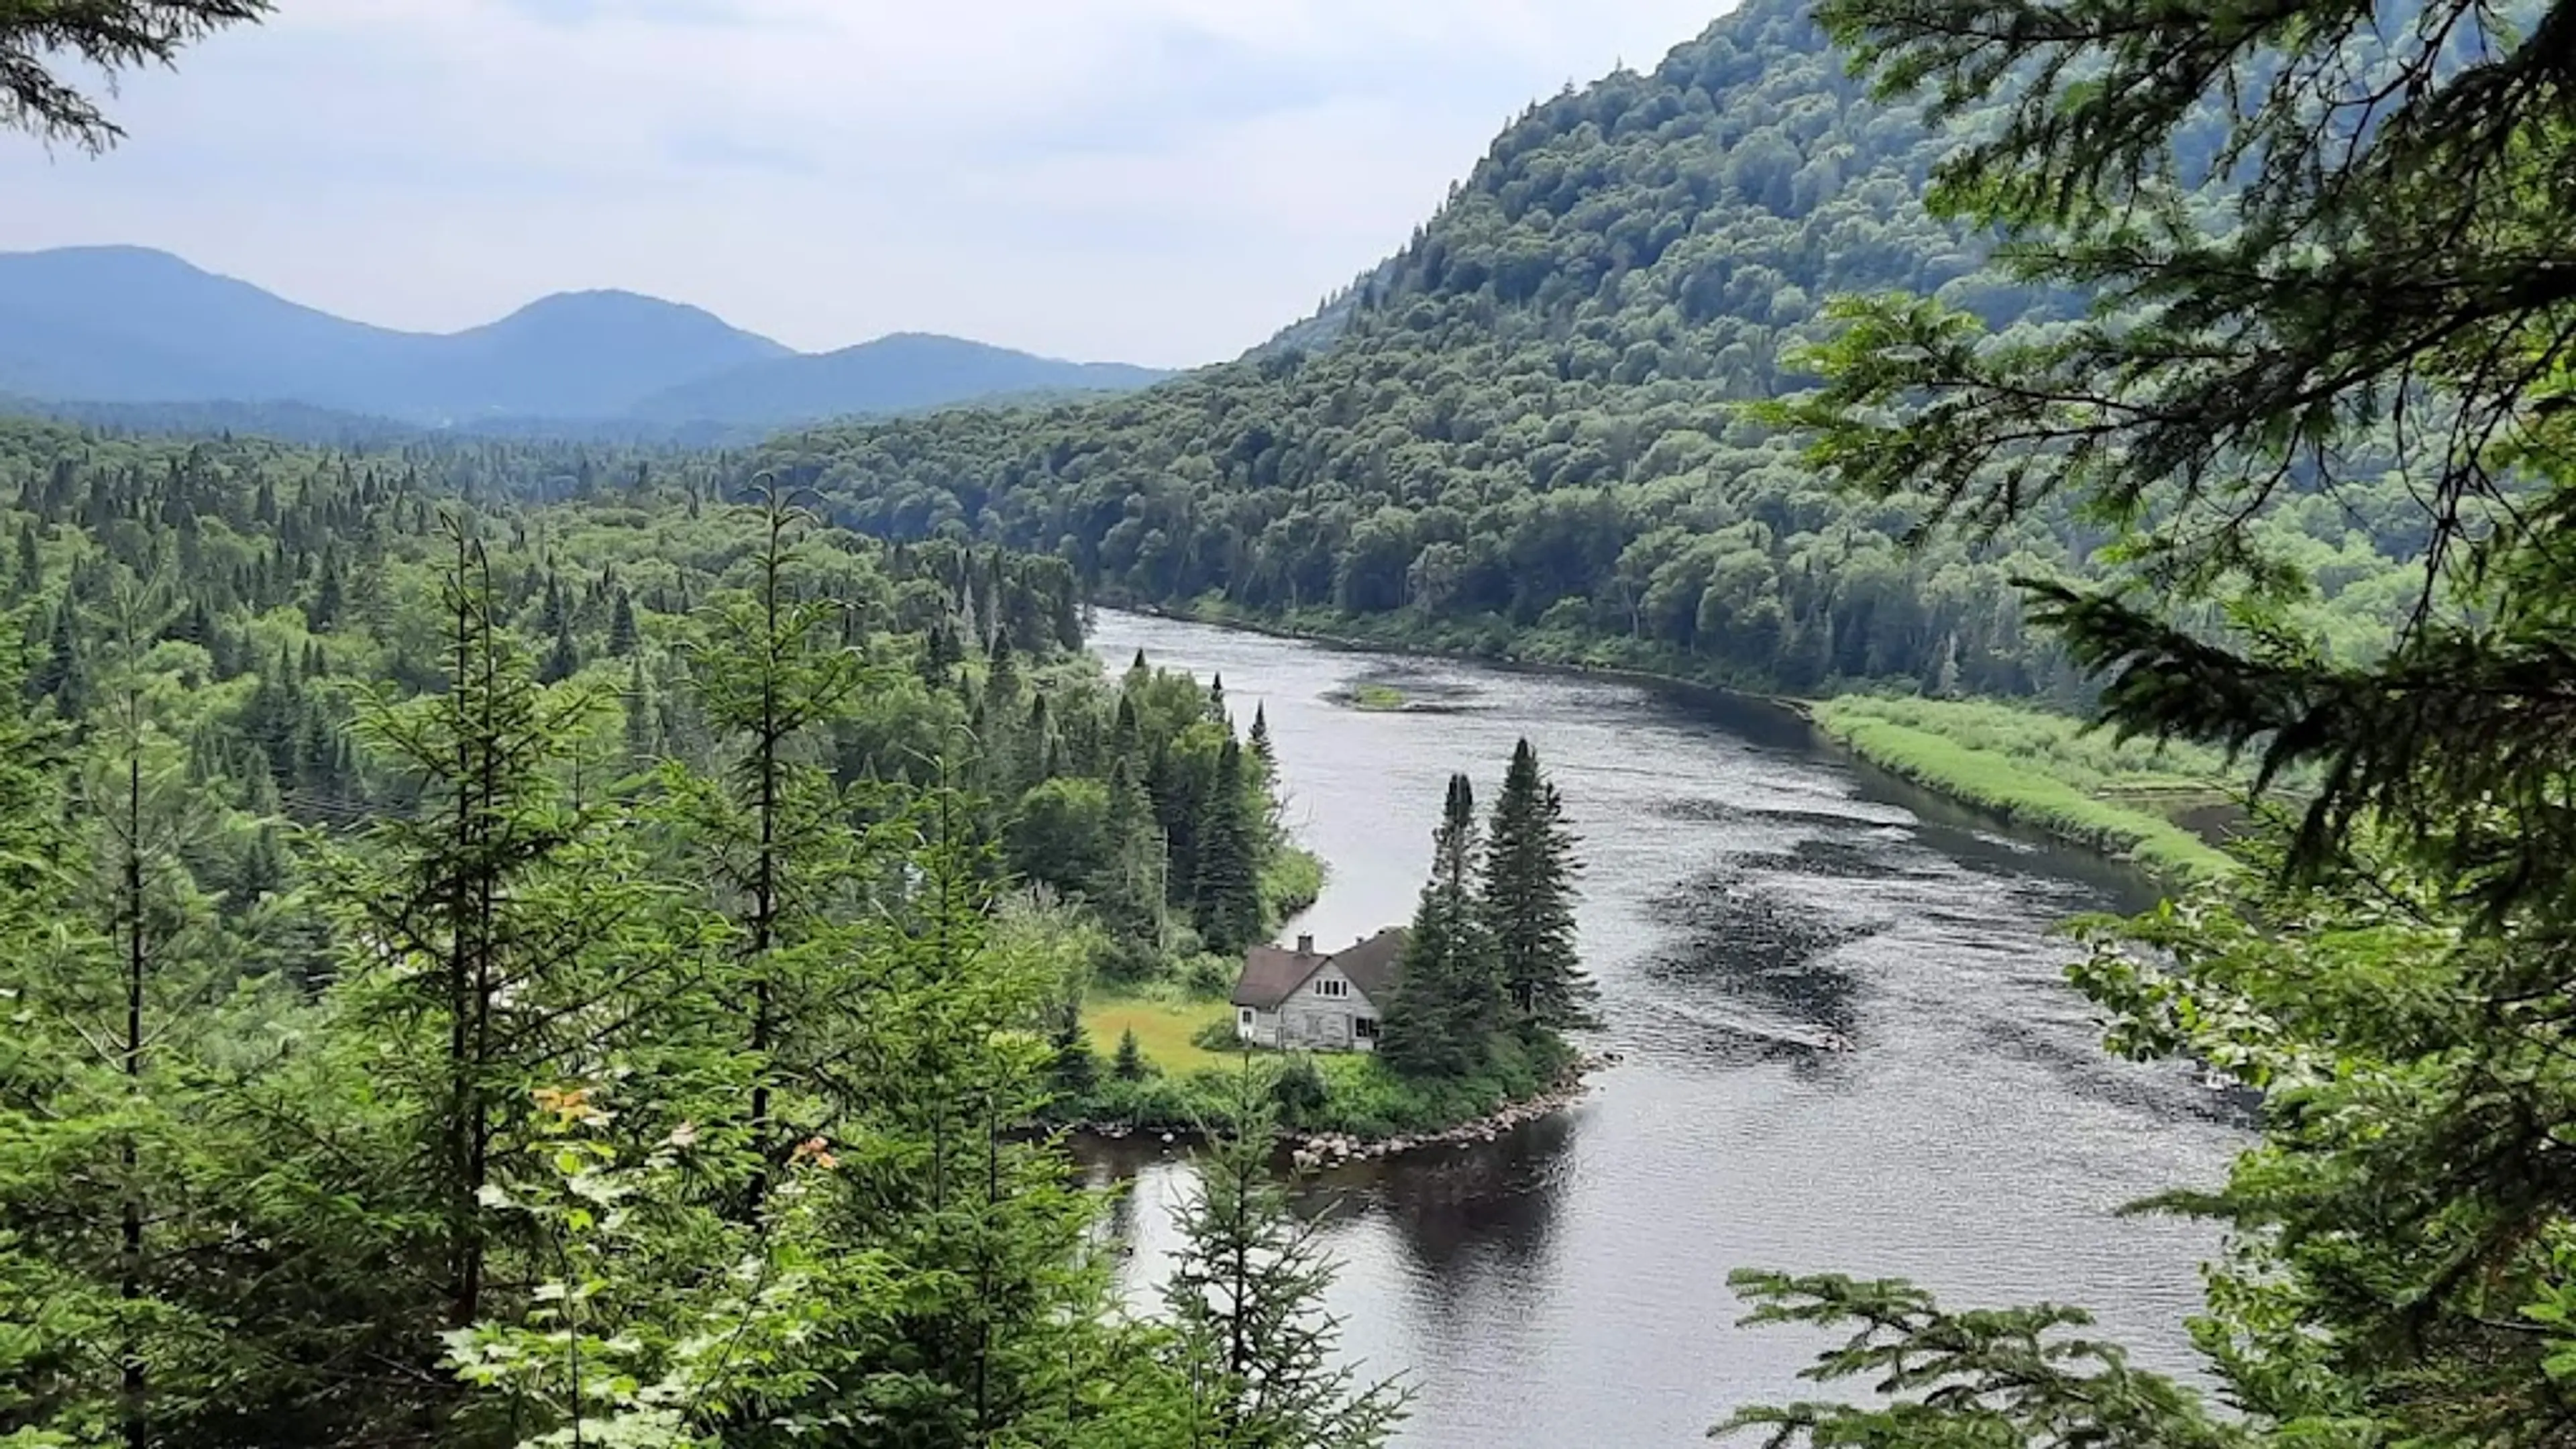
x: 530, y: 974
x: 1529, y: 436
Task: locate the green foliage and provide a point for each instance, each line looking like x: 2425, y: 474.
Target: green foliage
x: 560, y: 1067
x: 1252, y: 1341
x: 1526, y: 895
x: 1448, y: 991
x: 1491, y: 951
x: 111, y: 37
x: 2384, y: 261
x: 2000, y: 1377
x: 2037, y: 769
x: 1529, y: 436
x: 1129, y: 1065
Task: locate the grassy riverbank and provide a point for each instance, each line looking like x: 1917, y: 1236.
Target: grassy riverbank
x: 1188, y: 1086
x: 2046, y: 771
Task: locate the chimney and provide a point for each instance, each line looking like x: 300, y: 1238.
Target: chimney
x: 1305, y: 945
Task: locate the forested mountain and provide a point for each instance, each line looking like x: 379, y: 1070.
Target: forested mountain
x: 127, y: 326
x: 1527, y: 433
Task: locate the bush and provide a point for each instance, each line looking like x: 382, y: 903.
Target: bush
x: 1210, y: 978
x: 1300, y: 1092
x: 1218, y: 1036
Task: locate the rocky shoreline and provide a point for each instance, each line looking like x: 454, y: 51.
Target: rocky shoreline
x: 1314, y: 1151
x: 1310, y: 1151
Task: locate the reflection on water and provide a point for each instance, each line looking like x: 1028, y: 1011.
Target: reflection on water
x: 1747, y: 896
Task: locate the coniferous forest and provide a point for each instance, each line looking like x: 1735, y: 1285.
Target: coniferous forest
x: 489, y: 970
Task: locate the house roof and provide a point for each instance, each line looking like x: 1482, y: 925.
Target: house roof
x: 1272, y: 974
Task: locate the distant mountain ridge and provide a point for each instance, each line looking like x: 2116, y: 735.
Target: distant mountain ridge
x: 133, y: 326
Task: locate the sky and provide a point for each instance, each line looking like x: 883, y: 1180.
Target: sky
x: 1163, y: 182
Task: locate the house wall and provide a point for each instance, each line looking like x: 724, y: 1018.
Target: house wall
x: 1311, y: 1020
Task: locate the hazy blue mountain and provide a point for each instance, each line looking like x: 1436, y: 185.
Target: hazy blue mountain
x: 128, y: 325
x: 584, y: 354
x: 124, y: 324
x: 900, y: 373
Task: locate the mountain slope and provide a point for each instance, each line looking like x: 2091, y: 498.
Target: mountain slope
x: 130, y: 326
x: 902, y: 372
x: 1527, y: 433
x: 586, y: 354
x: 126, y: 324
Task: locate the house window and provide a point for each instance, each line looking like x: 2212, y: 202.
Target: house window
x: 1365, y: 1028
x: 1333, y: 987
x: 1243, y: 1018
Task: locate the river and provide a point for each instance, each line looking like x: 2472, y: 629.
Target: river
x: 1747, y: 890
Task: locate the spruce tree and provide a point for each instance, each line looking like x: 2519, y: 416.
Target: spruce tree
x: 771, y: 831
x: 1448, y: 996
x: 1253, y: 1344
x: 1527, y: 896
x: 1227, y: 894
x: 622, y: 635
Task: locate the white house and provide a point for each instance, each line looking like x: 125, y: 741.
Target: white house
x: 1316, y: 1002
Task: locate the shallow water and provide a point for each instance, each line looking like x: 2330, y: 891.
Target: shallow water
x: 1747, y: 891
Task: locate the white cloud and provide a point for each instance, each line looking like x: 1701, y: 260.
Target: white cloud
x: 1152, y: 180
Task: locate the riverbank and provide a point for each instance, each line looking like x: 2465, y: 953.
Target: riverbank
x: 1334, y: 1149
x: 2043, y: 771
x: 1186, y: 1087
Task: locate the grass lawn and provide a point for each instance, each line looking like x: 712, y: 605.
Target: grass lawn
x: 1163, y: 1030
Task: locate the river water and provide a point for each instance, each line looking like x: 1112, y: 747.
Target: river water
x: 1746, y: 892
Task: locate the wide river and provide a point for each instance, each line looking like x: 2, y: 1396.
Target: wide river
x: 1747, y: 891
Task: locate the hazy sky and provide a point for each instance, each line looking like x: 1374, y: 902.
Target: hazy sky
x: 1156, y: 181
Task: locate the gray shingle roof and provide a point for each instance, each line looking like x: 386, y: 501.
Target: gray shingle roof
x: 1271, y: 974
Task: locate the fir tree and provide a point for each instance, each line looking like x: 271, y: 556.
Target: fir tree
x: 1227, y: 893
x: 563, y: 657
x: 1129, y: 1064
x: 1528, y: 901
x: 770, y: 675
x: 1253, y: 1341
x: 1447, y: 995
x: 1259, y: 740
x: 622, y: 637
x: 30, y: 578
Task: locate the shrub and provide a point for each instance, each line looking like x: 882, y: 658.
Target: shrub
x: 1300, y: 1092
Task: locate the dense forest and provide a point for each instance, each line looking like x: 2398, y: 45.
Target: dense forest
x: 1530, y: 434
x: 489, y: 969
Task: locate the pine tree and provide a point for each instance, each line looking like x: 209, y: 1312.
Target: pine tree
x: 1253, y: 1343
x: 563, y: 657
x: 641, y: 731
x: 770, y: 675
x: 1260, y: 739
x: 1129, y: 1064
x: 1448, y: 998
x: 30, y: 578
x: 622, y: 637
x: 1227, y: 893
x: 498, y: 924
x: 1528, y: 901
